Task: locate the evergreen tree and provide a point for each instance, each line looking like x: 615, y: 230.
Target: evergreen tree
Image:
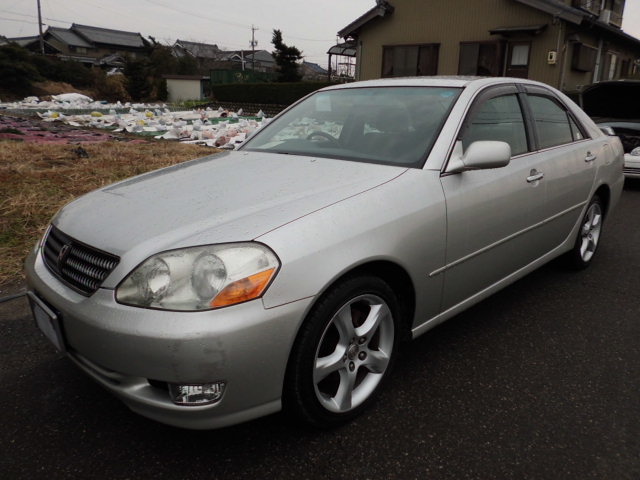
x: 286, y: 58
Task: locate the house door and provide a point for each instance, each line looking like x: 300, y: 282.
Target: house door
x: 518, y: 54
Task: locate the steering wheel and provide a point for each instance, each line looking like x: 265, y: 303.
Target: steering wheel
x: 325, y: 135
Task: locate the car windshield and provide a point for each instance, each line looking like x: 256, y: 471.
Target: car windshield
x: 388, y: 125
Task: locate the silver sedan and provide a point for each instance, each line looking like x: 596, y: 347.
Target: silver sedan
x: 286, y: 274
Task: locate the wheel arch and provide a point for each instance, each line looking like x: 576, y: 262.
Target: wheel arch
x: 604, y: 193
x: 395, y: 276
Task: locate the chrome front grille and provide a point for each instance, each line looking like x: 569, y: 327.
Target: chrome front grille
x: 80, y: 266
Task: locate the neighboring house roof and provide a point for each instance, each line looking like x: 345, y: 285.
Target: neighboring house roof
x: 616, y: 32
x: 107, y: 36
x: 198, y: 50
x: 315, y: 68
x: 24, y: 41
x: 557, y: 9
x: 261, y: 56
x: 68, y: 37
x: 382, y: 9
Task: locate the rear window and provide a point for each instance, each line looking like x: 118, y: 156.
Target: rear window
x: 552, y: 122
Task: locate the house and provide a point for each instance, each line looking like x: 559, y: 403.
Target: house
x: 313, y: 72
x: 261, y: 61
x: 106, y: 41
x: 208, y: 56
x: 88, y: 45
x: 564, y: 43
x: 68, y: 45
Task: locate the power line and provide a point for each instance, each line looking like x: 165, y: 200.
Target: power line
x: 16, y: 20
x: 198, y: 15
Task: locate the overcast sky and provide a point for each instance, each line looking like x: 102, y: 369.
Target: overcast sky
x: 310, y: 25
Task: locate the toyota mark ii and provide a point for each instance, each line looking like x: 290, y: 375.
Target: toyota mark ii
x: 285, y: 274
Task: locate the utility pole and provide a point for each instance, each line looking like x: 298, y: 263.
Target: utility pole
x: 40, y: 28
x: 254, y: 43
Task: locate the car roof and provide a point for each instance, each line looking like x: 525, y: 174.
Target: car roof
x: 435, y: 81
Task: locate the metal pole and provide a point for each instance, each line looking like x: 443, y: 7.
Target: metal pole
x: 253, y: 47
x: 40, y: 28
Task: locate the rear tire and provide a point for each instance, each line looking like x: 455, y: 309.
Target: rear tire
x: 343, y: 353
x: 586, y: 245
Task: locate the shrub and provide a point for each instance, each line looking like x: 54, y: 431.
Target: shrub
x: 17, y: 70
x: 111, y: 88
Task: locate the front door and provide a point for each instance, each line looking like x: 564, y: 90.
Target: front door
x: 492, y: 214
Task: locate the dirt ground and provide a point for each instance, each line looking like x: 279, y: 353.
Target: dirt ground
x: 32, y: 129
x: 44, y: 166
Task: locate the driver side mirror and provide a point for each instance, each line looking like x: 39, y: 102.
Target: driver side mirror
x: 480, y: 155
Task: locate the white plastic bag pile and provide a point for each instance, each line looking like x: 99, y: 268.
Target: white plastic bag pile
x: 70, y: 101
x: 215, y: 128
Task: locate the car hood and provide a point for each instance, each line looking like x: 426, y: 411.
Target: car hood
x: 612, y: 100
x: 230, y: 197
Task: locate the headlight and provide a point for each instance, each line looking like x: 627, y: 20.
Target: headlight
x: 636, y: 152
x: 200, y: 278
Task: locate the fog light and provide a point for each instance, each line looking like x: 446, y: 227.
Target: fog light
x: 202, y: 394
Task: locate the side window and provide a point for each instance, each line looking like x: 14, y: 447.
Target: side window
x: 575, y: 130
x: 499, y: 118
x: 552, y: 122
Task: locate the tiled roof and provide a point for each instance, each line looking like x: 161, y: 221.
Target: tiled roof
x: 199, y: 50
x: 109, y: 37
x: 69, y: 37
x: 24, y: 41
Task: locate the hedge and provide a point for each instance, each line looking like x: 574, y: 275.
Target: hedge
x: 273, y: 93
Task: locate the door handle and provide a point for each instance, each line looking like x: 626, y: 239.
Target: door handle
x: 590, y: 157
x: 534, y: 176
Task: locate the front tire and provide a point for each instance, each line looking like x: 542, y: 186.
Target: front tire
x: 344, y: 352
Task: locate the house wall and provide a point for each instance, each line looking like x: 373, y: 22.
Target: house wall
x: 454, y: 21
x: 449, y: 23
x: 182, y: 89
x: 575, y: 80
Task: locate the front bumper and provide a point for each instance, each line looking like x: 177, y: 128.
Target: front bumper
x: 631, y: 166
x: 121, y: 347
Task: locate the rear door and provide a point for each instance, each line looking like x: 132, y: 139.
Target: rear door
x: 567, y: 158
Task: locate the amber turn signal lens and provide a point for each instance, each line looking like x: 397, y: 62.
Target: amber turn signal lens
x: 242, y: 290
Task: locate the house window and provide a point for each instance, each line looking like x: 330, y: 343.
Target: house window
x: 520, y: 55
x: 584, y: 58
x: 410, y: 60
x: 612, y: 61
x: 609, y: 68
x: 480, y: 58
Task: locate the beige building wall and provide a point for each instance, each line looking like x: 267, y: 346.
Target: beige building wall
x: 454, y: 21
x: 181, y: 90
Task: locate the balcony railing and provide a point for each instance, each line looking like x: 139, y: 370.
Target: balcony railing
x: 592, y: 6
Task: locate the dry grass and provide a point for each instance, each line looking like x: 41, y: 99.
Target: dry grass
x: 37, y: 179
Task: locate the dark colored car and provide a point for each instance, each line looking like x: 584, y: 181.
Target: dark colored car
x: 615, y: 107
